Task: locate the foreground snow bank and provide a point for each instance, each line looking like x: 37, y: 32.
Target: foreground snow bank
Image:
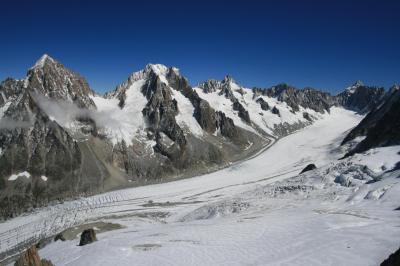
x: 309, y: 219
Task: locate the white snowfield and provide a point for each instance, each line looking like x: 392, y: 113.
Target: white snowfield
x: 256, y: 212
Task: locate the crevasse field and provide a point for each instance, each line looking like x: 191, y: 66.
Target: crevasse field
x: 255, y: 212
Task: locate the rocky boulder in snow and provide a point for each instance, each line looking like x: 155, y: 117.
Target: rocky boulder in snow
x: 88, y: 236
x: 31, y: 258
x: 275, y: 111
x: 60, y: 237
x: 309, y: 167
x: 264, y: 105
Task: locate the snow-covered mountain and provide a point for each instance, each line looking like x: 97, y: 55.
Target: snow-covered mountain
x: 361, y: 97
x: 381, y: 126
x: 60, y: 139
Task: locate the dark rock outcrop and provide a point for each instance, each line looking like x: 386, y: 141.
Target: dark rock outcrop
x: 307, y: 98
x: 361, y: 98
x: 224, y: 88
x: 393, y: 259
x: 31, y: 258
x: 307, y: 116
x: 204, y: 114
x: 309, y: 167
x: 60, y: 237
x: 32, y: 141
x: 275, y: 111
x: 208, y: 118
x: 88, y: 236
x: 264, y: 105
x: 381, y: 126
x: 161, y: 110
x: 51, y: 79
x: 243, y: 113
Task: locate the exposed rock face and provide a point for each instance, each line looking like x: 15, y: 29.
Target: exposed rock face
x: 264, y: 105
x: 307, y: 116
x: 307, y: 98
x: 51, y: 79
x: 204, y: 114
x: 360, y: 97
x: 308, y: 168
x: 224, y: 88
x: 87, y: 237
x: 31, y: 142
x: 393, y: 260
x: 160, y: 111
x: 381, y: 126
x: 211, y: 85
x: 57, y: 166
x: 209, y: 119
x: 31, y: 258
x: 60, y: 237
x: 275, y: 111
x: 357, y: 97
x: 243, y: 113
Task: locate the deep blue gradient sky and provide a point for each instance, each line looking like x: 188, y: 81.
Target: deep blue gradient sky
x: 326, y: 45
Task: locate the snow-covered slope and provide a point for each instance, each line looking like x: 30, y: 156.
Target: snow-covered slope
x: 255, y: 212
x: 271, y: 118
x: 126, y: 103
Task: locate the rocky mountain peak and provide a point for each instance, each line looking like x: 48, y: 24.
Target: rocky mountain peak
x: 150, y: 69
x: 51, y: 79
x: 158, y: 69
x: 213, y: 85
x: 228, y: 79
x: 210, y: 85
x: 358, y: 83
x: 394, y: 88
x: 360, y: 97
x: 45, y: 59
x: 355, y: 86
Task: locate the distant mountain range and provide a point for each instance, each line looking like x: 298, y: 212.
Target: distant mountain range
x: 59, y: 139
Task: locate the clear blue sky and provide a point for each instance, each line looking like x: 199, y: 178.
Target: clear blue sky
x: 326, y: 45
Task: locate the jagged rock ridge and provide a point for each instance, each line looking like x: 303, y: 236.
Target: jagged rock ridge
x: 381, y: 127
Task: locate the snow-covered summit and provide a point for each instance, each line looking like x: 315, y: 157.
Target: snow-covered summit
x: 355, y: 86
x: 157, y: 69
x: 43, y: 60
x: 213, y: 85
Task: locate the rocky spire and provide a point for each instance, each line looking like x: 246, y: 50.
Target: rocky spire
x: 51, y: 79
x: 358, y: 83
x: 45, y: 59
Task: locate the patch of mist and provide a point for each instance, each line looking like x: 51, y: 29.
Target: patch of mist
x: 65, y: 112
